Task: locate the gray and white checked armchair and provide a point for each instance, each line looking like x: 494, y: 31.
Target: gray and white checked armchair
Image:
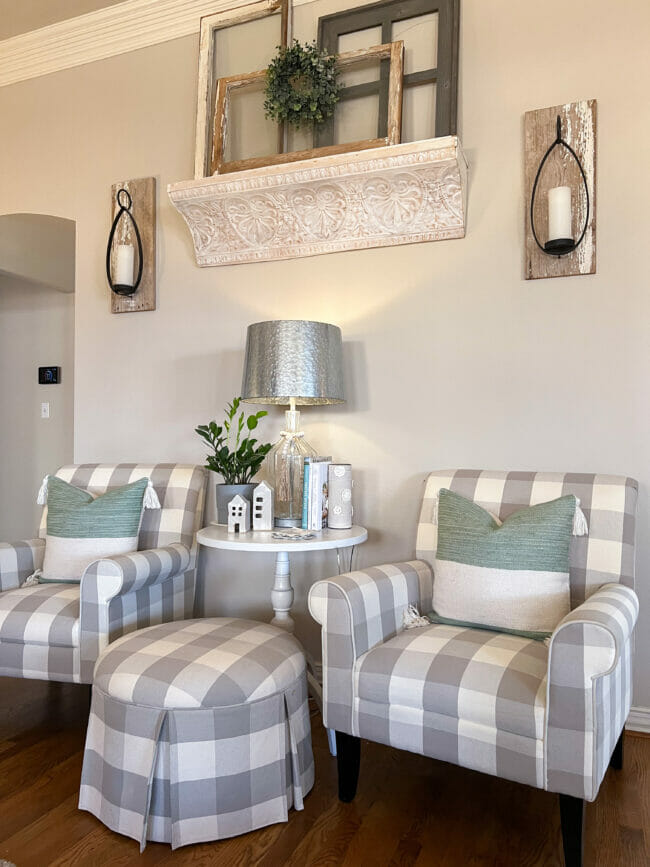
x: 548, y: 715
x: 56, y: 631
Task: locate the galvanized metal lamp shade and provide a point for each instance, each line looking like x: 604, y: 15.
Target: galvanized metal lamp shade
x: 293, y: 359
x: 295, y: 362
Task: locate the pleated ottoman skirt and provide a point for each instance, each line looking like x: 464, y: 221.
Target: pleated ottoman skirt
x: 198, y: 730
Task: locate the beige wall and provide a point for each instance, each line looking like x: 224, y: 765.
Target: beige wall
x: 39, y: 249
x: 453, y: 359
x: 36, y: 329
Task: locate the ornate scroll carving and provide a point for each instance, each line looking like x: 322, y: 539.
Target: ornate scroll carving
x: 400, y: 195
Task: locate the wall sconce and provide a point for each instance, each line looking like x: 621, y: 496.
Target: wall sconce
x: 123, y: 283
x: 560, y: 237
x: 561, y: 189
x: 133, y: 285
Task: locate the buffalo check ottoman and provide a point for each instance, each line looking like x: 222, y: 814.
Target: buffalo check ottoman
x: 198, y: 730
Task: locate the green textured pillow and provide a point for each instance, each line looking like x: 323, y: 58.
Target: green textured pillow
x: 512, y: 576
x: 82, y: 528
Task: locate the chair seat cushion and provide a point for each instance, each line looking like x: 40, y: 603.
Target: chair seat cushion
x: 210, y: 663
x: 41, y: 614
x: 476, y: 676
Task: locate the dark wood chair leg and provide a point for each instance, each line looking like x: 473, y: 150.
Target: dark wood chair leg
x: 348, y: 756
x: 616, y: 760
x: 572, y: 819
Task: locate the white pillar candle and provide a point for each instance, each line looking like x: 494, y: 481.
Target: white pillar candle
x: 559, y: 213
x: 124, y: 259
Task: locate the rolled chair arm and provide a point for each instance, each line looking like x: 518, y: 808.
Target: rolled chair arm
x: 110, y: 605
x: 367, y: 606
x: 115, y: 576
x: 357, y: 611
x: 18, y: 560
x: 602, y: 625
x: 589, y: 689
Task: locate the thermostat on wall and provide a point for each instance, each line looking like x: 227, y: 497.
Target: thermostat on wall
x: 49, y: 375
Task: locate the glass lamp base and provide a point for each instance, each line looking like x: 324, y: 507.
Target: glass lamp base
x: 287, y: 522
x: 286, y: 462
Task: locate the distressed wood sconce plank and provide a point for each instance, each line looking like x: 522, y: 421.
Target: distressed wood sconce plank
x: 579, y: 130
x: 143, y: 194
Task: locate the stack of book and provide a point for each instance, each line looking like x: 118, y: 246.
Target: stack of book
x: 314, y: 493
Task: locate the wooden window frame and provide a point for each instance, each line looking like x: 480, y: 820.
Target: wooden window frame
x: 207, y: 83
x: 391, y: 53
x: 384, y: 15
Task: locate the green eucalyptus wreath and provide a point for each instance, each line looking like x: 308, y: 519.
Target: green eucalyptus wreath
x: 301, y: 85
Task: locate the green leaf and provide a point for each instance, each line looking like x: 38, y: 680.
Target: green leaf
x: 239, y: 461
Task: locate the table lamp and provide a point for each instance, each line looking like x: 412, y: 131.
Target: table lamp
x: 299, y: 363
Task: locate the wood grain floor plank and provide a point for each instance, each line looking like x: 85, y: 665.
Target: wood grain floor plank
x: 39, y: 843
x: 408, y: 810
x: 28, y: 804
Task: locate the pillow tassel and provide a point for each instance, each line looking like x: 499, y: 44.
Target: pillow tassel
x: 579, y: 521
x: 41, y: 500
x: 32, y: 580
x: 412, y: 618
x: 151, y: 500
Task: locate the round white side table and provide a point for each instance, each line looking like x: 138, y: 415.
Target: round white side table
x: 217, y: 536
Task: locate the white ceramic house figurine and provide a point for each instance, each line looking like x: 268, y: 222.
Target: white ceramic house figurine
x: 263, y: 507
x: 238, y: 515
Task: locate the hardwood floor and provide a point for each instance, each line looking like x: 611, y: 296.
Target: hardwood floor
x: 408, y: 811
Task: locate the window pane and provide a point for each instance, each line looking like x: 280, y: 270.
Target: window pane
x: 246, y: 47
x: 356, y: 119
x: 419, y: 112
x: 359, y: 73
x: 420, y: 35
x: 362, y: 71
x: 301, y: 139
x: 249, y: 133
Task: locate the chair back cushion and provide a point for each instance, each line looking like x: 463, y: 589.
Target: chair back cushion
x: 603, y: 556
x: 180, y: 489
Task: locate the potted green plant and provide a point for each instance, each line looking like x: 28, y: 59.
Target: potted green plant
x: 237, y: 456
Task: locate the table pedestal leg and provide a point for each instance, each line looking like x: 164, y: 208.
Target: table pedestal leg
x: 282, y: 593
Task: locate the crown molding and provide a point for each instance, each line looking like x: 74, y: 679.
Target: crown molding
x: 104, y: 33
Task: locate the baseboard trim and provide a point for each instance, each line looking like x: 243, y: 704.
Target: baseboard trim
x: 638, y: 720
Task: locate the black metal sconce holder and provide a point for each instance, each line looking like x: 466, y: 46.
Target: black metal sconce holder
x: 121, y: 288
x: 559, y: 246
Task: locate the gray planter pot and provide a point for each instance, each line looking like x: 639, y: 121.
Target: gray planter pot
x: 225, y: 493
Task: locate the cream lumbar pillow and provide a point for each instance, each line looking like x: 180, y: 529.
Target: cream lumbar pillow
x: 82, y: 528
x: 510, y: 576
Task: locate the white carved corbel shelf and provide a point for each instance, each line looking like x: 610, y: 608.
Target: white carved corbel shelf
x: 400, y: 194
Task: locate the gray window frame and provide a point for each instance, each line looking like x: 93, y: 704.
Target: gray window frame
x: 384, y: 15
